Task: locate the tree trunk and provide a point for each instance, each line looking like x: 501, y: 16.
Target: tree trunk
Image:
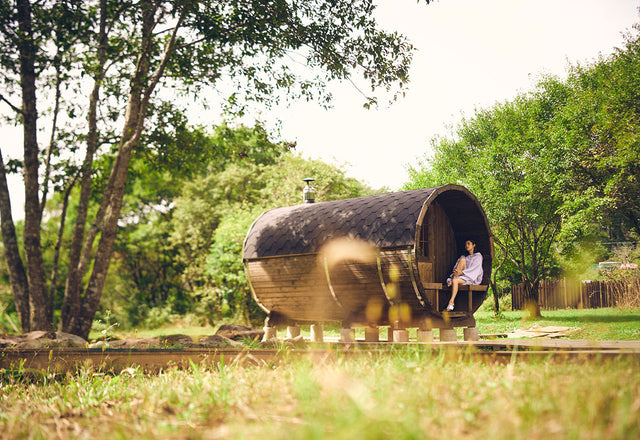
x: 71, y: 300
x: 17, y: 275
x: 56, y: 254
x: 531, y: 299
x: 35, y: 270
x: 112, y: 199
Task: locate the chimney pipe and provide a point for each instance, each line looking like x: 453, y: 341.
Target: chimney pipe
x: 309, y: 192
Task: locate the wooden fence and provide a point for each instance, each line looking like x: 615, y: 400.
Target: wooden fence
x: 566, y: 294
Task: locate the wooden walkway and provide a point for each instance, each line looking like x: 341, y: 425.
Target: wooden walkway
x: 63, y: 360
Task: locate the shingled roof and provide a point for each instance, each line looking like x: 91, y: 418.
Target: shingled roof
x: 384, y: 220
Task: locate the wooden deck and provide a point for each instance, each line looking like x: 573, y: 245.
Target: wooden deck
x: 64, y: 360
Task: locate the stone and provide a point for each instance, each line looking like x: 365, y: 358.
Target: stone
x: 297, y: 342
x: 400, y: 336
x: 448, y: 335
x: 43, y: 339
x: 270, y: 343
x: 76, y: 340
x: 347, y: 335
x: 317, y: 333
x: 218, y: 341
x: 269, y: 334
x: 176, y: 340
x: 38, y: 334
x: 471, y: 334
x: 239, y: 332
x: 7, y: 342
x: 425, y: 335
x: 371, y: 334
x: 293, y: 331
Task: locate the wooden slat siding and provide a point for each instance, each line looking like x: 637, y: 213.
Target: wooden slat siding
x: 406, y: 290
x: 293, y: 286
x: 298, y: 287
x: 355, y: 284
x: 444, y: 242
x: 565, y: 293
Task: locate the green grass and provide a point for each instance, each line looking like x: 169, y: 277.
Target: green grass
x: 593, y: 324
x: 407, y: 395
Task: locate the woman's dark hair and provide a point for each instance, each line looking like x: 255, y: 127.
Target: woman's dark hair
x: 474, y: 243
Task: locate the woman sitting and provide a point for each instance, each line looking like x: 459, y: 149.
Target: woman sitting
x: 467, y: 270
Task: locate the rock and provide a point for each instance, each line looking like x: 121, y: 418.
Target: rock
x: 38, y: 334
x: 75, y: 340
x: 274, y: 343
x: 43, y: 339
x: 239, y: 332
x: 297, y: 342
x: 99, y: 344
x: 218, y: 341
x: 178, y: 340
x: 130, y: 343
x: 8, y: 341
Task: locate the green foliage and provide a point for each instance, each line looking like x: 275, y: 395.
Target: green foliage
x: 555, y: 169
x: 179, y: 249
x: 108, y: 75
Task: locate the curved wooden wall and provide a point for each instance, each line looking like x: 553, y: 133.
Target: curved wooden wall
x: 305, y: 286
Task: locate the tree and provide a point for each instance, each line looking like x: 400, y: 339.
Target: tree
x: 553, y: 167
x: 185, y: 257
x: 502, y: 156
x: 130, y: 51
x: 251, y: 190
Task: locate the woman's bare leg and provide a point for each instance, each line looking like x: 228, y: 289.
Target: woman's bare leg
x: 456, y: 282
x: 461, y: 265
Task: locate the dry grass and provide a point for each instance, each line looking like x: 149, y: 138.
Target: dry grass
x: 406, y: 395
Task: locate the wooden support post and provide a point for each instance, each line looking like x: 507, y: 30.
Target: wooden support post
x: 317, y: 333
x: 401, y: 335
x: 347, y: 335
x: 269, y: 333
x: 471, y: 334
x: 293, y: 331
x: 390, y: 334
x: 425, y: 335
x: 448, y: 335
x: 371, y: 334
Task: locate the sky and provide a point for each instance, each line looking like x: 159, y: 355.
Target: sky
x: 469, y: 54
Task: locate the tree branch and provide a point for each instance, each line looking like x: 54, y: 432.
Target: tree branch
x: 13, y: 107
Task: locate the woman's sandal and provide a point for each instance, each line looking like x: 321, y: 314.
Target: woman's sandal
x: 449, y: 307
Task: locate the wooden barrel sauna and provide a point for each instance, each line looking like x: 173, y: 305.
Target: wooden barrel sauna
x: 374, y: 260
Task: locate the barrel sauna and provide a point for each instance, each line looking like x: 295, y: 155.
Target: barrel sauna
x: 374, y: 260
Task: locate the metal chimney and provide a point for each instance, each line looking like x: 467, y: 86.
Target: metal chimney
x: 309, y: 192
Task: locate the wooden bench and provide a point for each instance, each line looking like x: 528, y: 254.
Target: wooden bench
x: 469, y: 288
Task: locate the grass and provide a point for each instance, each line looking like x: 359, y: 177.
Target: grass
x: 593, y: 324
x: 407, y: 395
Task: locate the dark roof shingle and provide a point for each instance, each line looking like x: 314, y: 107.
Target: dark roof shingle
x: 384, y: 220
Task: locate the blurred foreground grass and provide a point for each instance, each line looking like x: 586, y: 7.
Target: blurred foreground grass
x: 409, y: 394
